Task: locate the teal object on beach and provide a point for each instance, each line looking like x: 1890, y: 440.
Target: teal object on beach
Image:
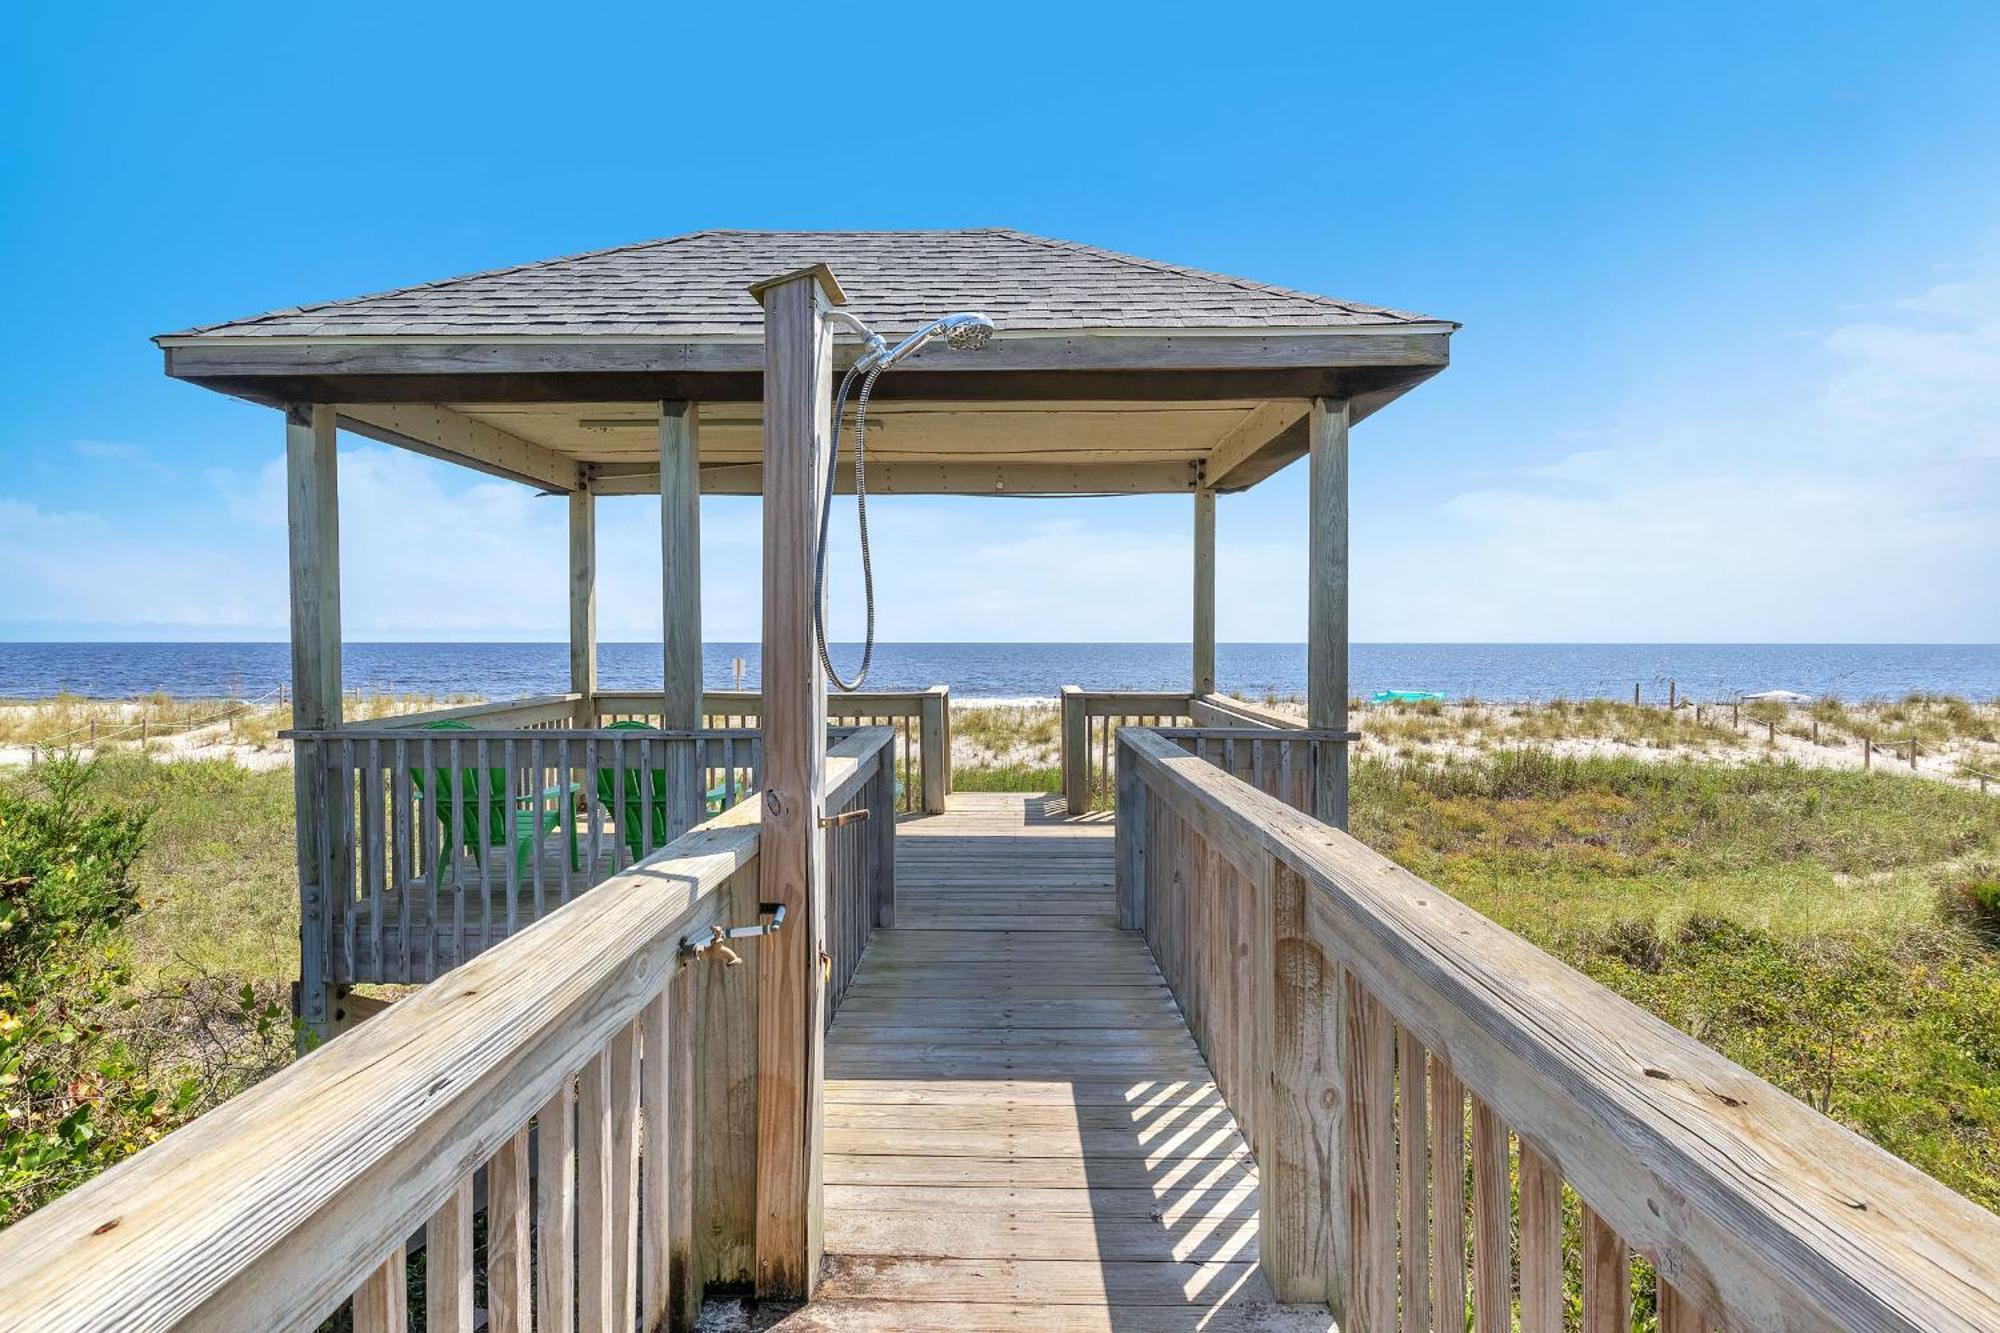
x: 1408, y: 697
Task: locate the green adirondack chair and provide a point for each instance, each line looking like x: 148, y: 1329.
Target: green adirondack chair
x: 644, y: 797
x: 473, y: 819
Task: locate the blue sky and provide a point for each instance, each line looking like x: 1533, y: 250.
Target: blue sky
x: 1730, y: 280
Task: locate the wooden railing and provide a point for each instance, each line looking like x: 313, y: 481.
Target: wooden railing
x: 1292, y: 765
x: 582, y: 1085
x: 860, y: 856
x: 539, y: 712
x: 921, y: 720
x: 1358, y: 1019
x: 1089, y: 725
x: 435, y: 844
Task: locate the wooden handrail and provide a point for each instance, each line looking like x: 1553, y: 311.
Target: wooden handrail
x: 1757, y: 1211
x: 270, y: 1211
x: 538, y: 707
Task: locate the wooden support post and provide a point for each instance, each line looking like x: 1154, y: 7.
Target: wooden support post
x: 1204, y: 592
x: 1131, y: 845
x: 680, y: 594
x: 1305, y: 1243
x: 935, y: 746
x: 583, y: 604
x: 1075, y: 752
x: 1326, y: 602
x: 882, y: 833
x: 791, y: 989
x: 313, y: 506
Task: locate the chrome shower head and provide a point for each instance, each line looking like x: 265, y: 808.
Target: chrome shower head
x: 965, y: 332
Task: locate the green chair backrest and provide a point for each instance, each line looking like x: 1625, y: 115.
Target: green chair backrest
x: 461, y: 805
x: 635, y: 810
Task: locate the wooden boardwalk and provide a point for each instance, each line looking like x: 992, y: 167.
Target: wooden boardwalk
x: 1020, y: 1133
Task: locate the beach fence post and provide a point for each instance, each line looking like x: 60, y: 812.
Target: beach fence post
x: 1635, y: 694
x: 1913, y: 754
x: 1672, y: 697
x: 1867, y: 753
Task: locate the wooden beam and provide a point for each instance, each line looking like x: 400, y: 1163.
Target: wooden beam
x: 440, y: 432
x: 1204, y: 591
x: 1255, y: 432
x: 199, y: 356
x: 583, y: 605
x: 313, y: 512
x: 680, y: 597
x: 1326, y: 601
x: 790, y: 1004
x: 999, y: 479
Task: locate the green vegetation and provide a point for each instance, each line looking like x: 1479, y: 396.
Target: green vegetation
x: 1836, y: 932
x: 1008, y: 777
x: 107, y: 1038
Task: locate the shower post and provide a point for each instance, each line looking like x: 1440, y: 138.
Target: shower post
x: 798, y: 355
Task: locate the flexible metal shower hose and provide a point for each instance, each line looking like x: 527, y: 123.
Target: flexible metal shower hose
x: 861, y: 521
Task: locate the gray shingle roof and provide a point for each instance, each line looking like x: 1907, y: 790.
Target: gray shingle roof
x: 696, y: 286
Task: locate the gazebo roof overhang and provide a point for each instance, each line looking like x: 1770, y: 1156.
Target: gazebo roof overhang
x: 1110, y: 374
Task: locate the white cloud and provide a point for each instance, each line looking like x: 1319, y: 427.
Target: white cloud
x: 1870, y: 510
x: 1868, y: 507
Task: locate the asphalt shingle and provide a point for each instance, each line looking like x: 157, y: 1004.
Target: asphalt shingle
x: 697, y: 286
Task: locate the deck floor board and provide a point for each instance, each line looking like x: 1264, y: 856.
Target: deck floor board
x: 1020, y: 1131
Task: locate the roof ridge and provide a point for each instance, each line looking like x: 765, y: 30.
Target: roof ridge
x: 1208, y: 275
x: 503, y: 270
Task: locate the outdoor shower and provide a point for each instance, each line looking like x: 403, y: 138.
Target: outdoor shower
x: 965, y: 332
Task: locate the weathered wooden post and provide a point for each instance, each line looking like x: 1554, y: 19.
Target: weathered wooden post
x: 1204, y: 592
x: 934, y: 752
x: 1075, y: 751
x: 313, y: 506
x: 680, y: 596
x: 791, y: 990
x: 583, y: 604
x: 1326, y: 602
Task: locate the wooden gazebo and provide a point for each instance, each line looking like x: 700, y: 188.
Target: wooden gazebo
x: 1207, y: 1063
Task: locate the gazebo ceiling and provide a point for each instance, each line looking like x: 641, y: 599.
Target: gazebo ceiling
x: 1109, y: 372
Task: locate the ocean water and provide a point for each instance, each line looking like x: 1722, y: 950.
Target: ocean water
x: 1494, y: 671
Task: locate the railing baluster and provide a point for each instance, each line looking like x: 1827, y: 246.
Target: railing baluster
x: 555, y: 1211
x: 1413, y: 1144
x: 402, y: 849
x: 624, y: 1173
x: 596, y: 1271
x: 381, y: 1303
x: 544, y: 779
x: 379, y: 834
x: 1607, y: 1277
x: 448, y: 1263
x: 510, y: 813
x: 509, y: 1277
x: 488, y: 798
x: 1677, y: 1313
x: 657, y: 1176
x: 1492, y: 1276
x: 1370, y: 1057
x: 1541, y: 1244
x: 1447, y: 1118
x: 456, y: 803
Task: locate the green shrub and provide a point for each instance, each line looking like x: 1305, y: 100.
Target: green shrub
x: 72, y: 1097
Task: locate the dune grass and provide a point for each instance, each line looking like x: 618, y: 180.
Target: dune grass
x: 1836, y: 932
